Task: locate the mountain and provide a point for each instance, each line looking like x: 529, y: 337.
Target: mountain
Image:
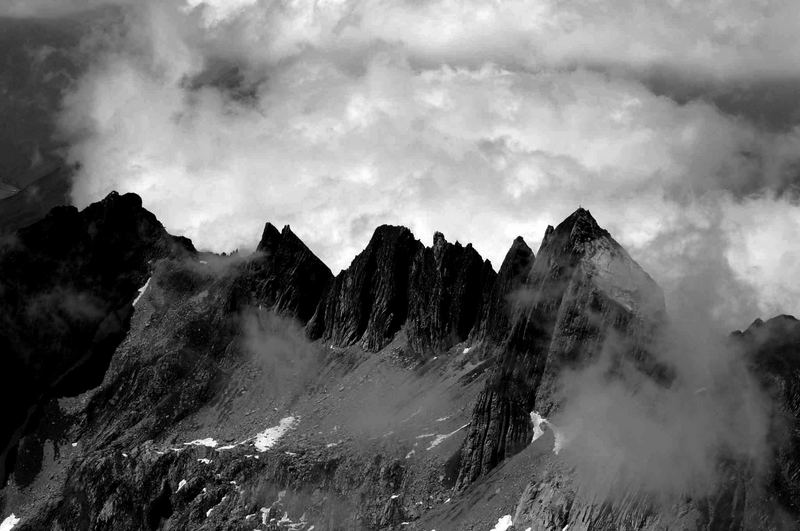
x: 580, y: 288
x: 151, y: 386
x: 65, y: 301
x: 774, y: 353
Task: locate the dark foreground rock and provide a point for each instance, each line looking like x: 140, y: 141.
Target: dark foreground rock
x: 66, y: 287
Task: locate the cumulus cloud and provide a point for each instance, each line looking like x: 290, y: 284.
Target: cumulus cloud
x: 483, y: 120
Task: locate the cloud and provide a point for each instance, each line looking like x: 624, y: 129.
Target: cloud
x: 630, y: 435
x: 674, y: 121
x: 53, y: 8
x: 481, y: 120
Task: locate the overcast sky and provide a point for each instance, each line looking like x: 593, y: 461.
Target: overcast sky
x: 672, y: 121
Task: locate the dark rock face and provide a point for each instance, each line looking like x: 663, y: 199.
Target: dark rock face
x: 446, y: 294
x: 495, y: 322
x: 285, y: 275
x: 66, y: 287
x: 773, y: 349
x: 368, y: 302
x: 583, y: 294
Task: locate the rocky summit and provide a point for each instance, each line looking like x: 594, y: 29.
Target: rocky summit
x: 147, y: 385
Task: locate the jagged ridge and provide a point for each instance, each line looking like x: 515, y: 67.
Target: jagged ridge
x: 542, y: 314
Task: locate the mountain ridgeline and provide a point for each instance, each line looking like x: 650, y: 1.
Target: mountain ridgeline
x: 401, y: 391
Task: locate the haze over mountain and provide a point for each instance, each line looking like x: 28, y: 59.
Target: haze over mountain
x: 421, y: 349
x: 416, y: 389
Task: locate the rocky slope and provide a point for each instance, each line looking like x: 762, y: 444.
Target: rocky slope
x: 447, y: 288
x: 407, y: 392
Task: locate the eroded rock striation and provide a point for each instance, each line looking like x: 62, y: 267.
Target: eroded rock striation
x: 447, y: 289
x: 583, y: 295
x: 367, y: 303
x: 285, y: 275
x: 511, y: 277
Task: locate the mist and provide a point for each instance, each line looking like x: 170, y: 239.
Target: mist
x: 628, y: 433
x: 483, y: 121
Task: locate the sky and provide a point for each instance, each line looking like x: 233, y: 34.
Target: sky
x: 674, y: 122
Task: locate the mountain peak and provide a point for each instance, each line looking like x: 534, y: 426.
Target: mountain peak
x: 510, y: 278
x: 287, y: 276
x: 386, y: 230
x: 270, y: 238
x: 519, y: 244
x: 448, y: 285
x: 580, y: 240
x: 368, y: 301
x: 581, y: 227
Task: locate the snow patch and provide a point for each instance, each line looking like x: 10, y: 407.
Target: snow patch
x: 204, y: 461
x: 503, y: 523
x: 74, y: 444
x: 538, y: 423
x: 141, y: 291
x: 9, y: 523
x: 181, y: 485
x: 208, y: 441
x: 440, y: 438
x: 269, y: 437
